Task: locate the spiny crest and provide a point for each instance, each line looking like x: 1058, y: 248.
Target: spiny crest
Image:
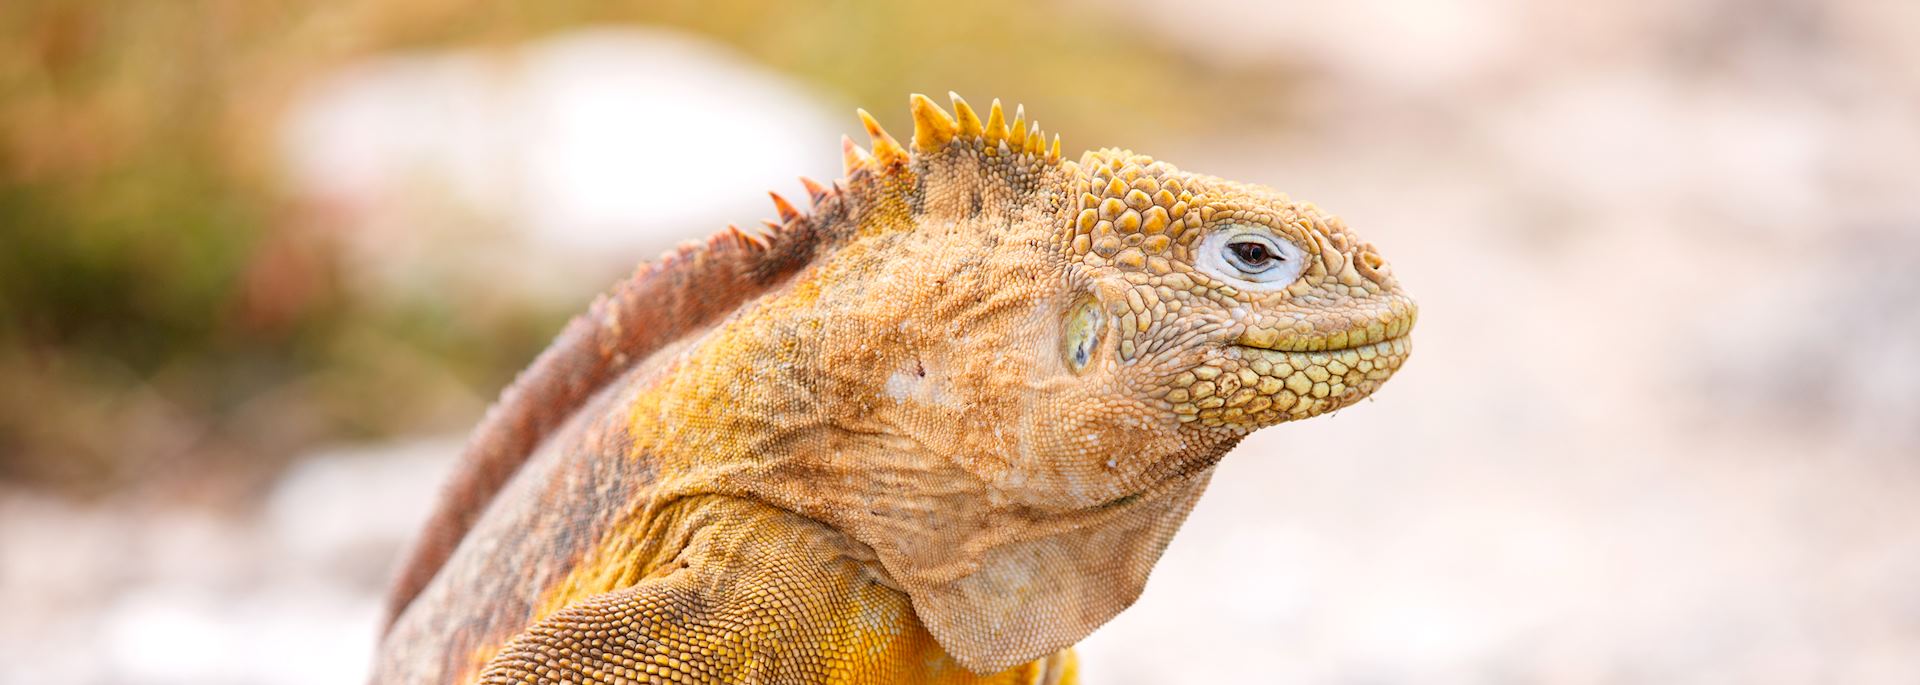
x: 885, y: 149
x: 934, y: 129
x: 784, y: 208
x: 852, y: 158
x: 748, y: 241
x: 815, y: 191
x: 791, y: 219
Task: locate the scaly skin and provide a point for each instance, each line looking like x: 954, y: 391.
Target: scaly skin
x: 937, y: 430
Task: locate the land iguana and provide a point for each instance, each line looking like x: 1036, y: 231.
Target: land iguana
x: 936, y: 429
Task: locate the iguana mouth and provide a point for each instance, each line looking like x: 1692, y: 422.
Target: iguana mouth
x: 1389, y: 345
x: 1264, y: 385
x: 1374, y: 334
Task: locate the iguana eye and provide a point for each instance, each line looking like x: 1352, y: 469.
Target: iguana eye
x: 1251, y: 255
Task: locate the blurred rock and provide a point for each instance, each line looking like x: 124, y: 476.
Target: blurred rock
x: 553, y: 165
x: 345, y: 515
x: 1840, y: 363
x: 147, y: 593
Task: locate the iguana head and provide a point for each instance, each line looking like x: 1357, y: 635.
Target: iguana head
x: 1010, y: 373
x: 1231, y: 305
x: 1131, y: 319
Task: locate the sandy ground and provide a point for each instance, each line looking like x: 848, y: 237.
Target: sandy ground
x: 1660, y: 425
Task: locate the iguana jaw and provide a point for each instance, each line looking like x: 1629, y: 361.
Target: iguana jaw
x: 1246, y: 365
x: 1392, y: 318
x: 1300, y: 347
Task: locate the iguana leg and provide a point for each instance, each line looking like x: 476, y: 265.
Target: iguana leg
x: 772, y: 598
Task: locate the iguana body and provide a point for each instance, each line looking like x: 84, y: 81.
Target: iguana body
x: 936, y: 430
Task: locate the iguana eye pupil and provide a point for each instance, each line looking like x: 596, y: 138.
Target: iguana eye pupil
x: 1253, y: 254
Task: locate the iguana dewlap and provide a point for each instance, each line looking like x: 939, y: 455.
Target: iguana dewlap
x: 937, y: 429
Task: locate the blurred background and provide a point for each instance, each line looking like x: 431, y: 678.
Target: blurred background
x: 262, y: 264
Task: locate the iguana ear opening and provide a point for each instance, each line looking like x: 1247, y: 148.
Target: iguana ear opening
x: 1081, y: 334
x: 1053, y: 583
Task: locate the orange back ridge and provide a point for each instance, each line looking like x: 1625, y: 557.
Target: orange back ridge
x: 684, y: 290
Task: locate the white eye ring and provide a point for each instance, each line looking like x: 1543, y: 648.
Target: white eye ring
x: 1252, y: 256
